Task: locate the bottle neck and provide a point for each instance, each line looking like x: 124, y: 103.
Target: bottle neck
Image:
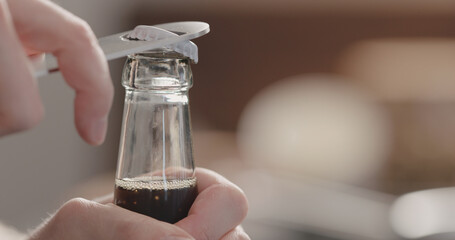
x: 156, y: 135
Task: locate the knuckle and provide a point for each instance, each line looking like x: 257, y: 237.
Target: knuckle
x: 82, y: 33
x: 75, y: 214
x: 76, y: 204
x: 74, y: 207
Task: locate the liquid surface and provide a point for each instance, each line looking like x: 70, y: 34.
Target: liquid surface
x: 165, y: 200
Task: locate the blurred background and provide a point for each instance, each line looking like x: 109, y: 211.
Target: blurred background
x: 324, y: 112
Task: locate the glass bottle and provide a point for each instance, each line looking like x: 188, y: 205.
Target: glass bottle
x: 155, y: 171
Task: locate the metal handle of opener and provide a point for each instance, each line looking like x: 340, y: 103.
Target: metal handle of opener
x: 116, y: 46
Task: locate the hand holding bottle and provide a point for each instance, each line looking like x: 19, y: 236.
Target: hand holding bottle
x: 216, y: 214
x: 35, y: 26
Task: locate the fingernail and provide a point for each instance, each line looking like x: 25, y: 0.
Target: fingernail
x: 98, y: 131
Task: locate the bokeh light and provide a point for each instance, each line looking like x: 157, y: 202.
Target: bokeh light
x: 317, y: 125
x: 424, y: 213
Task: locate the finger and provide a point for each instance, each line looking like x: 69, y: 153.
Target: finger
x: 80, y: 59
x: 105, y: 199
x: 219, y: 207
x: 20, y: 104
x: 83, y: 219
x: 236, y: 234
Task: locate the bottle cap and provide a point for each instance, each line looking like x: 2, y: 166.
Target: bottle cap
x: 150, y: 33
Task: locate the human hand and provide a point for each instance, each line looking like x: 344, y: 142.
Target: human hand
x: 216, y: 214
x: 36, y: 26
x: 218, y: 210
x: 83, y: 219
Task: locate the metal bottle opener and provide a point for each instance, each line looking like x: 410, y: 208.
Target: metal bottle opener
x: 117, y: 45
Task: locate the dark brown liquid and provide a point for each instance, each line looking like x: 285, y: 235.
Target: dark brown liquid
x: 166, y: 203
